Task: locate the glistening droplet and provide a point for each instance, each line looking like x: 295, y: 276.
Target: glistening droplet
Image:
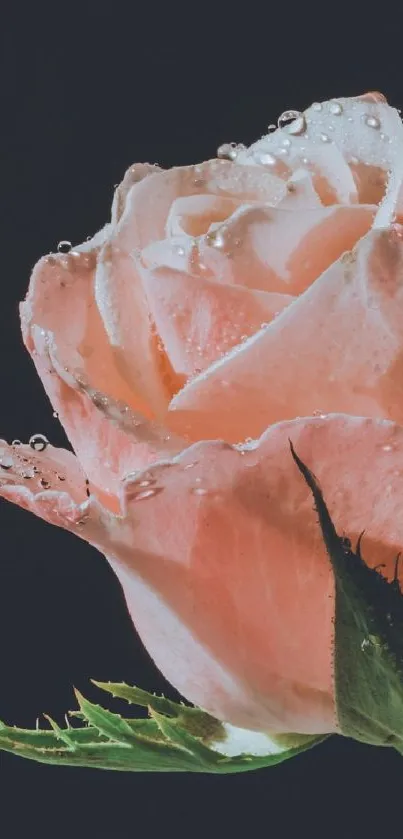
x: 372, y: 121
x: 335, y: 107
x: 287, y: 117
x: 298, y: 126
x: 38, y: 442
x: 227, y: 151
x: 64, y: 246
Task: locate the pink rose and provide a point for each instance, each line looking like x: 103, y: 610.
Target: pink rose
x: 227, y: 308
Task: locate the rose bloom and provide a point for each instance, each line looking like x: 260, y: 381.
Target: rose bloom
x: 226, y: 309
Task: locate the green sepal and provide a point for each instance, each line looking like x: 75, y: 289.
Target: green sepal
x: 368, y: 656
x: 175, y: 738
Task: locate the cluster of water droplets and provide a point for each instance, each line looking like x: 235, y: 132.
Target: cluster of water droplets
x: 18, y: 460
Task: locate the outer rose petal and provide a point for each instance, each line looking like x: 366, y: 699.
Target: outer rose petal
x: 233, y: 598
x: 134, y: 175
x: 52, y: 485
x: 338, y: 347
x: 111, y: 441
x: 64, y: 334
x: 61, y: 300
x: 283, y: 250
x: 199, y: 320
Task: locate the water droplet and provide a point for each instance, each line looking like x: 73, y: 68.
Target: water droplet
x: 387, y: 448
x: 287, y: 117
x: 319, y: 413
x: 335, y: 107
x: 145, y: 493
x: 215, y: 239
x: 227, y: 151
x: 147, y: 483
x: 179, y: 250
x: 199, y: 491
x: 64, y: 246
x: 264, y: 324
x: 56, y: 415
x: 271, y: 127
x: 266, y: 159
x: 316, y: 106
x: 16, y: 443
x: 190, y: 465
x: 384, y: 137
x: 372, y: 121
x: 45, y: 484
x: 282, y: 151
x: 325, y: 138
x: 38, y: 442
x: 6, y: 462
x: 298, y: 126
x: 286, y: 141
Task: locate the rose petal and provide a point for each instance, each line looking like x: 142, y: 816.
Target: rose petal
x: 109, y: 438
x: 152, y: 198
x: 364, y: 132
x: 194, y: 214
x: 283, y: 250
x: 198, y: 320
x: 123, y: 306
x: 338, y: 347
x: 61, y: 300
x: 133, y: 175
x: 52, y: 485
x: 209, y: 595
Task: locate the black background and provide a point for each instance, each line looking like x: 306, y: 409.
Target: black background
x: 85, y: 92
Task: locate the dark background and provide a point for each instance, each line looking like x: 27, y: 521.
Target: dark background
x: 85, y: 93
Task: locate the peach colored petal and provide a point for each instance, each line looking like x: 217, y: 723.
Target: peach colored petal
x: 199, y: 320
x: 61, y: 300
x: 122, y: 304
x: 109, y: 438
x: 332, y: 177
x: 338, y: 347
x: 391, y: 207
x: 193, y: 214
x: 232, y: 601
x: 364, y: 132
x: 133, y: 175
x: 282, y: 250
x: 52, y: 485
x: 151, y: 199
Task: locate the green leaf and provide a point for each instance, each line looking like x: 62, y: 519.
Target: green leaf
x: 368, y: 637
x: 176, y: 738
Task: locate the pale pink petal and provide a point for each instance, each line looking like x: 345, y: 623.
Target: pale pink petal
x: 198, y: 320
x: 61, y: 300
x: 121, y: 301
x: 109, y: 438
x: 332, y: 177
x: 338, y: 347
x: 363, y: 132
x: 151, y: 199
x: 208, y: 594
x: 282, y: 250
x: 51, y: 484
x: 193, y: 214
x: 133, y: 175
